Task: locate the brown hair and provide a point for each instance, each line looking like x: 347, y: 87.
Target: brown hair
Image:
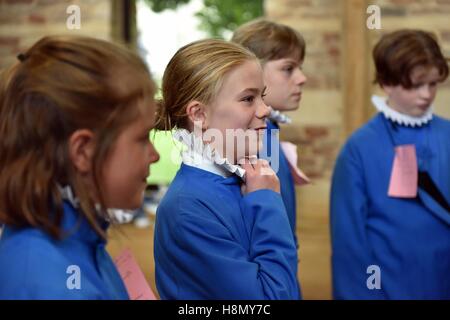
x: 62, y: 84
x: 269, y: 40
x: 399, y: 52
x: 196, y: 72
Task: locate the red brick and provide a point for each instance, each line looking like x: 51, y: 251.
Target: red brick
x: 9, y: 41
x: 36, y: 19
x: 19, y: 1
x: 316, y: 132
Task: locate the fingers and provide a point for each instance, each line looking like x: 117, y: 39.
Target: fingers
x: 246, y: 165
x: 259, y: 175
x: 255, y: 166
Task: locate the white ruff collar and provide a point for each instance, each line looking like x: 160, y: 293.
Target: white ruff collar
x: 400, y: 118
x: 277, y: 116
x: 116, y: 215
x: 203, y: 157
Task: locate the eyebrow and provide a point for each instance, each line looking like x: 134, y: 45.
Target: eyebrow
x: 253, y: 90
x: 289, y: 60
x: 421, y: 79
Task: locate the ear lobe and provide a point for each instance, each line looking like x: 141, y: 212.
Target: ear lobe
x: 196, y: 112
x: 81, y: 150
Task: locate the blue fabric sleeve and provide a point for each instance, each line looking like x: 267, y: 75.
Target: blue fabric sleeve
x: 34, y: 268
x: 36, y: 274
x: 273, y: 246
x: 214, y: 265
x: 351, y: 250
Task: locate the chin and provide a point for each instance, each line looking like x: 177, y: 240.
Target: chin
x: 419, y: 112
x: 290, y: 107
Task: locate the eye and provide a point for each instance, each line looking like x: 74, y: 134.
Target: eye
x: 249, y: 99
x: 433, y: 84
x: 263, y: 95
x: 288, y: 69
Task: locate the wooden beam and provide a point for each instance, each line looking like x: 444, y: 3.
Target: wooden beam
x: 355, y: 65
x: 123, y: 21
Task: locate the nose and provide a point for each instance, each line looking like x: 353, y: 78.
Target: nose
x: 263, y: 110
x: 153, y: 154
x: 300, y: 77
x: 425, y: 92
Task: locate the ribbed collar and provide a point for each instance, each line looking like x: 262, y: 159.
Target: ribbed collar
x: 203, y: 157
x: 277, y: 116
x: 116, y: 215
x: 381, y: 105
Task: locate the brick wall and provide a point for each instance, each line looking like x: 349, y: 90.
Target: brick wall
x: 23, y: 22
x: 316, y: 127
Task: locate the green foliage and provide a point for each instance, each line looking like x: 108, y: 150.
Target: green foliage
x: 161, y: 5
x: 218, y: 17
x: 221, y: 16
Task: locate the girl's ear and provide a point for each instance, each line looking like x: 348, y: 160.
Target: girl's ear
x: 81, y: 150
x: 196, y: 112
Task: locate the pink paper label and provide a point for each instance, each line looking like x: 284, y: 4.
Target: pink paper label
x: 290, y: 151
x: 404, y: 175
x: 132, y: 276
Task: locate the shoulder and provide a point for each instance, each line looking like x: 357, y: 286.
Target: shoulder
x: 29, y: 244
x: 33, y: 266
x: 194, y: 187
x: 368, y: 132
x: 441, y: 123
x: 365, y: 138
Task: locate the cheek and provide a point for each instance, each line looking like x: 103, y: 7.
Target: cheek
x: 406, y: 97
x: 278, y: 84
x: 250, y: 118
x: 244, y: 118
x: 433, y: 92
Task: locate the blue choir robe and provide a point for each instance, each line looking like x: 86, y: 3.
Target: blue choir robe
x: 287, y: 186
x: 407, y: 239
x: 213, y: 243
x: 34, y: 265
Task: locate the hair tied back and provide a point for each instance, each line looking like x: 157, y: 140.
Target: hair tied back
x: 22, y: 57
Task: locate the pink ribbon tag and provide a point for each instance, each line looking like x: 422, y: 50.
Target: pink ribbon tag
x: 290, y: 151
x: 132, y: 276
x: 404, y: 175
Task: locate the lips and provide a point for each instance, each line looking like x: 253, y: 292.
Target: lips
x: 424, y: 106
x: 259, y: 128
x: 297, y: 95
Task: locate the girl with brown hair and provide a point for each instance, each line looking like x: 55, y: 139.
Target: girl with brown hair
x: 75, y: 114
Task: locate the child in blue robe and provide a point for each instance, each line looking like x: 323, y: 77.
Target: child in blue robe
x: 74, y: 146
x: 281, y: 51
x: 221, y: 230
x: 390, y: 242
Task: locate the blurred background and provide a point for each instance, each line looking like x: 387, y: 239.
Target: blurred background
x: 335, y: 102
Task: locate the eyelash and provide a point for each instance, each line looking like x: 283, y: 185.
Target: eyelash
x: 250, y: 99
x: 417, y: 86
x: 291, y: 68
